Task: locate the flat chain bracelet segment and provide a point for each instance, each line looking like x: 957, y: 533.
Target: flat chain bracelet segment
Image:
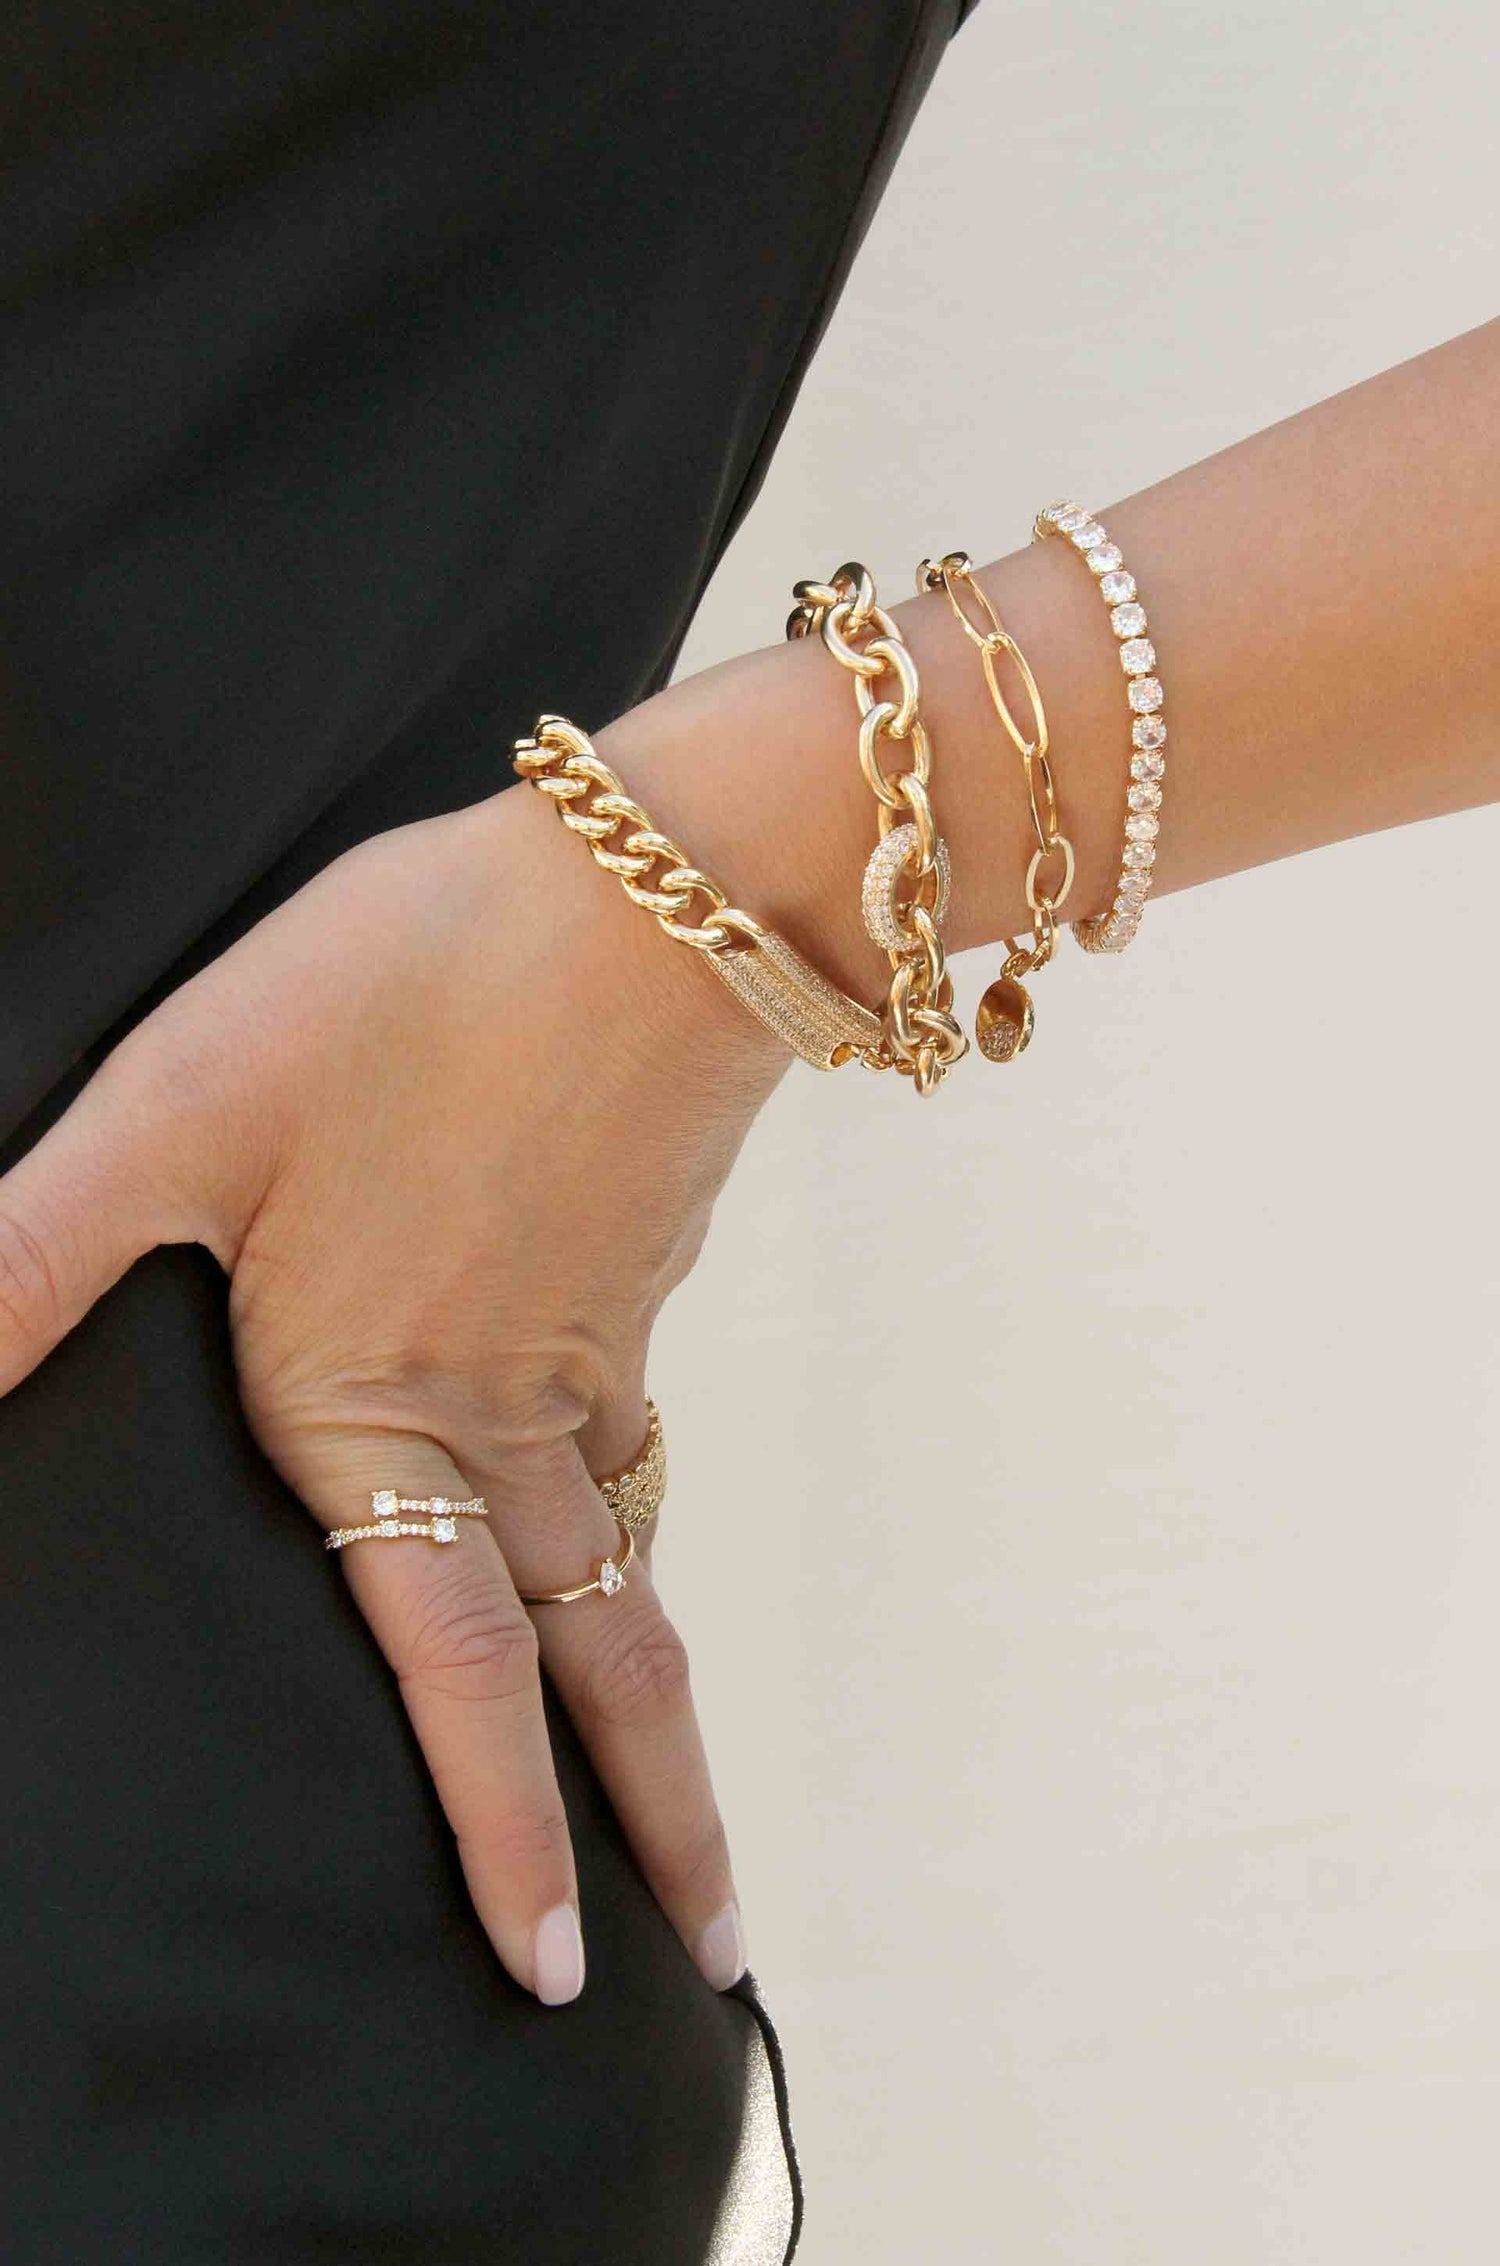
x: 906, y: 881
x: 1112, y: 931
x: 1006, y: 1016
x: 765, y: 973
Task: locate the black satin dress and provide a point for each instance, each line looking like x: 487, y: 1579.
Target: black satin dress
x: 333, y: 337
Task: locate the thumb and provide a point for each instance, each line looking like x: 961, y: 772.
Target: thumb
x: 75, y: 1213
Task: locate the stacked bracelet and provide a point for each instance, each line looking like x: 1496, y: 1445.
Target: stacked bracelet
x: 1112, y: 931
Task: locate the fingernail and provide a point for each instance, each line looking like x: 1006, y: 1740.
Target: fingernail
x: 557, y: 1956
x: 721, y: 1948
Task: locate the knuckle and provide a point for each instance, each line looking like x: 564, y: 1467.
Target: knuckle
x: 30, y: 1303
x: 517, y: 1840
x: 639, y: 1674
x: 699, y: 1862
x: 477, y: 1646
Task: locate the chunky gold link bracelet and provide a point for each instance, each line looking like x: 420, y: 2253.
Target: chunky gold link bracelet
x: 1003, y: 1025
x: 1112, y: 931
x: 806, y: 1012
x: 906, y: 881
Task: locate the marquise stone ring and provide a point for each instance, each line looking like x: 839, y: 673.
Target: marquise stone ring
x: 632, y: 1497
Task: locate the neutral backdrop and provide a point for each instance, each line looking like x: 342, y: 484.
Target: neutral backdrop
x: 1085, y: 1486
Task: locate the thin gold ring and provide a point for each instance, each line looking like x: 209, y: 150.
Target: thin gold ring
x: 608, y: 1582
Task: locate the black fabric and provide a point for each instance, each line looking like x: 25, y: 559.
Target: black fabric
x: 331, y: 337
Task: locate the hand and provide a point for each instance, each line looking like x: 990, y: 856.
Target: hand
x: 453, y: 1120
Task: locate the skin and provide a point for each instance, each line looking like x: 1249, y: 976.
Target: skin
x: 453, y: 1119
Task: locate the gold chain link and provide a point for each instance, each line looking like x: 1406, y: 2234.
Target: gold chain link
x: 591, y: 801
x: 1005, y: 1019
x: 923, y: 1038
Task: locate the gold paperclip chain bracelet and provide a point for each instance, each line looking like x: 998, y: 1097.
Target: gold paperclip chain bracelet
x: 1006, y: 1015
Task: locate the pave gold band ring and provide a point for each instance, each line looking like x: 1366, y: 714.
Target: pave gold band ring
x: 632, y: 1497
x: 435, y: 1521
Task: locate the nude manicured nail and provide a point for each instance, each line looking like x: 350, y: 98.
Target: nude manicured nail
x: 558, y: 1956
x: 721, y: 1948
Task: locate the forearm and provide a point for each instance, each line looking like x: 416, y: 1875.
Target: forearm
x: 1322, y: 601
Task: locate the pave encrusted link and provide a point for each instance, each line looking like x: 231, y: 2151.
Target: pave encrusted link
x: 1112, y: 931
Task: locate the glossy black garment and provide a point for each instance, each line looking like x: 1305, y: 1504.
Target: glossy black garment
x: 331, y: 339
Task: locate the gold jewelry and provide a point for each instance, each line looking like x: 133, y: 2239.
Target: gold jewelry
x: 1112, y: 931
x: 805, y: 1011
x: 634, y: 1496
x: 906, y: 881
x: 608, y: 1582
x: 436, y: 1524
x: 1004, y: 1023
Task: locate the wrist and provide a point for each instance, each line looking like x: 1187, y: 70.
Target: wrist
x: 754, y: 766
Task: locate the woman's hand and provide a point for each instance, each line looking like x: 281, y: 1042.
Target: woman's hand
x: 453, y: 1120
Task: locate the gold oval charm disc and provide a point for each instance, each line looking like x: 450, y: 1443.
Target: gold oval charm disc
x: 1003, y: 1024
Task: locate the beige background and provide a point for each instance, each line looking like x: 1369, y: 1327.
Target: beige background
x: 1085, y: 1488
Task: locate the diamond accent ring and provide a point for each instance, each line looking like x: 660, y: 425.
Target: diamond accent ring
x: 437, y: 1519
x: 608, y: 1582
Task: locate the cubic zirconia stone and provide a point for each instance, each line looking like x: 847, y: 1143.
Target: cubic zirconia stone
x: 439, y: 1506
x: 1140, y: 854
x: 1068, y: 516
x: 1104, y: 559
x: 1148, y: 766
x: 1127, y: 621
x: 1086, y: 537
x: 1133, y: 888
x: 1137, y: 656
x: 1142, y: 826
x: 1148, y: 731
x: 1144, y: 795
x: 611, y: 1580
x: 445, y: 1530
x: 1145, y: 694
x: 1117, y: 586
x: 383, y: 1502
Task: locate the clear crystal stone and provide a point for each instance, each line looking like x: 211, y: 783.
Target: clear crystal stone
x: 383, y: 1502
x: 1127, y: 621
x: 1145, y: 694
x: 1144, y: 795
x: 1117, y: 586
x: 1085, y: 537
x: 444, y: 1530
x: 1139, y: 854
x: 1148, y: 731
x: 611, y: 1580
x: 439, y: 1506
x: 1137, y: 656
x: 1142, y: 826
x: 1105, y: 558
x: 1068, y: 516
